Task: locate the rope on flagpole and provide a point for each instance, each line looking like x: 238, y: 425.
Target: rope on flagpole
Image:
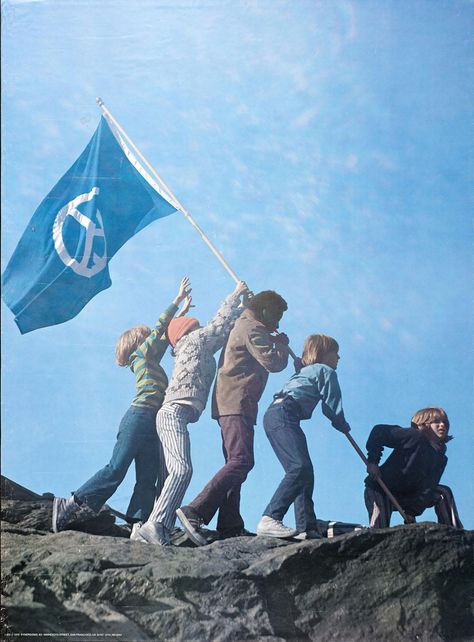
x: 180, y: 208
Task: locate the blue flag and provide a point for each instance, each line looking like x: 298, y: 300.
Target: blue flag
x: 62, y: 259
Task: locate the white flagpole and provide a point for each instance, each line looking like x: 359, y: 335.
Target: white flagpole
x: 180, y: 207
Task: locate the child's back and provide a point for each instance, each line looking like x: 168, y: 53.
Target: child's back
x: 312, y: 384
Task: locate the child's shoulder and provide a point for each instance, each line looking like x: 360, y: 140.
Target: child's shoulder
x: 412, y: 437
x: 405, y: 437
x: 317, y: 369
x: 403, y: 429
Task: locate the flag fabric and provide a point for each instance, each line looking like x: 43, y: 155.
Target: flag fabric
x: 62, y: 259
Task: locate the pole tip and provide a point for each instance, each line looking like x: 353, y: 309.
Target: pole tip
x: 99, y: 101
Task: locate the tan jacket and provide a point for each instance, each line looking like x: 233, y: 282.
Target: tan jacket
x: 249, y: 355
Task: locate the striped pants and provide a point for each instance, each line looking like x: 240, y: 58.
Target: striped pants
x: 172, y: 426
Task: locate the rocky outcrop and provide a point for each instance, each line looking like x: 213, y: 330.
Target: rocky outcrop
x: 406, y: 583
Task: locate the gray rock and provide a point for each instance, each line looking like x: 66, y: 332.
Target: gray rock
x: 405, y: 583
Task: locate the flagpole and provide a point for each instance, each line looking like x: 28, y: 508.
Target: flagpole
x: 180, y: 207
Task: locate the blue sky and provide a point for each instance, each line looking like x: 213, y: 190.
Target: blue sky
x: 325, y: 149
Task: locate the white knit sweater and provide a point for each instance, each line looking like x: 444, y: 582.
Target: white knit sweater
x: 195, y: 365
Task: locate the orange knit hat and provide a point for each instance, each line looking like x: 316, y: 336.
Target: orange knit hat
x: 179, y: 327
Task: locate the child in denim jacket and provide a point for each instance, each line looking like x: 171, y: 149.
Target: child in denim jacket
x: 316, y: 381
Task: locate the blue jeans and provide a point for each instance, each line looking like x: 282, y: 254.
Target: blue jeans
x: 282, y: 427
x: 137, y: 440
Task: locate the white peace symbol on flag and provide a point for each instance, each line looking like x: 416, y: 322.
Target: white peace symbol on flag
x: 92, y: 230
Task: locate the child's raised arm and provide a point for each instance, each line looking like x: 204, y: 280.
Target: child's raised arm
x: 221, y: 324
x: 184, y: 292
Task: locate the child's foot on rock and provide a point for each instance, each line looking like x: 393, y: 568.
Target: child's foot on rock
x: 270, y: 527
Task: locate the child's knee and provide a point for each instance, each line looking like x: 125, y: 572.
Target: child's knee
x: 444, y: 489
x: 242, y: 466
x: 307, y: 471
x: 301, y: 471
x: 183, y: 472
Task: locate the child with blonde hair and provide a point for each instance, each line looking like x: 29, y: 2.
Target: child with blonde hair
x: 316, y: 381
x: 412, y: 471
x: 141, y: 349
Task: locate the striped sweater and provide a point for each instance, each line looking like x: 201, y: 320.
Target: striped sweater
x: 151, y: 379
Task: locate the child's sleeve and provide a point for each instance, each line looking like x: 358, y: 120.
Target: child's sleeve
x: 219, y: 327
x: 272, y: 356
x: 381, y: 436
x: 156, y: 341
x: 331, y: 399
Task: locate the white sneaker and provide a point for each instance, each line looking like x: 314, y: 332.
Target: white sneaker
x: 274, y: 528
x: 135, y: 535
x: 151, y: 533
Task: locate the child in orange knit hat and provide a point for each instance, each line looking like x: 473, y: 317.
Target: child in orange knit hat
x: 185, y: 399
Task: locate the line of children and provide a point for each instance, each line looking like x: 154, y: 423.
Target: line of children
x: 141, y: 349
x: 163, y: 461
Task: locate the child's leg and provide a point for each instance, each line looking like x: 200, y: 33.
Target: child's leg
x: 147, y: 470
x: 134, y: 425
x: 171, y: 423
x: 223, y: 490
x: 289, y: 443
x: 305, y: 517
x: 378, y: 506
x: 446, y: 509
x: 162, y: 470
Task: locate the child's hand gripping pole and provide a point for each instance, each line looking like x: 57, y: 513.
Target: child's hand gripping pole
x: 282, y: 338
x: 408, y: 519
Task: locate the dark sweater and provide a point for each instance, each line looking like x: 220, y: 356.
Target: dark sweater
x: 413, y: 469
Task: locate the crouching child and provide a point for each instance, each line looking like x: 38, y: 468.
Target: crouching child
x: 412, y: 471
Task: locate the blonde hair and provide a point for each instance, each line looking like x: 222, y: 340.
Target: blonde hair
x: 316, y: 346
x: 422, y: 418
x: 129, y: 342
